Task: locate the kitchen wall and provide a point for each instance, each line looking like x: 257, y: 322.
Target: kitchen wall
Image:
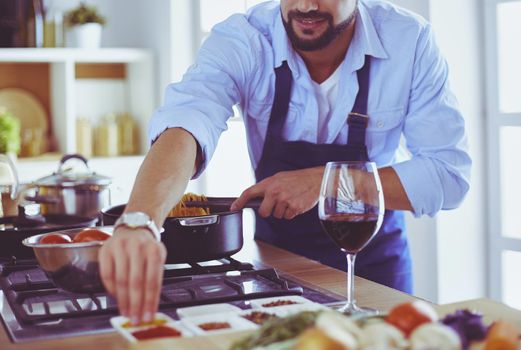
x: 449, y: 251
x: 461, y: 234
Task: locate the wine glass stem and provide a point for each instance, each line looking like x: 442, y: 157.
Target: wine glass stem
x: 351, y: 278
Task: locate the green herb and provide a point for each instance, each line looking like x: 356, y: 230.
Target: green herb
x: 277, y: 330
x: 9, y: 133
x: 82, y: 15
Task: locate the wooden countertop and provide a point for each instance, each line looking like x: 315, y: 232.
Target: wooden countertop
x: 367, y: 294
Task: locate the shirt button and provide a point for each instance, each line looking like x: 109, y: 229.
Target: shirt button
x: 380, y: 124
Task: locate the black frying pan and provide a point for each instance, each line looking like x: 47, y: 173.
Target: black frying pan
x: 193, y: 239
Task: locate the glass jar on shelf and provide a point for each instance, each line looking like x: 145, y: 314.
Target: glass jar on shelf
x: 33, y: 142
x: 84, y: 137
x: 127, y: 135
x: 106, y: 139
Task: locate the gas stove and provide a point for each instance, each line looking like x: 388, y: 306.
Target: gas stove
x: 33, y: 308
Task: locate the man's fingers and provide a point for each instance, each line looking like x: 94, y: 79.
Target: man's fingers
x: 107, y: 269
x: 136, y: 278
x: 153, y: 277
x: 251, y: 192
x: 266, y: 207
x: 289, y: 213
x: 280, y: 209
x: 121, y: 267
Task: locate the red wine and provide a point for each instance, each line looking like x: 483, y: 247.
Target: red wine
x: 350, y: 231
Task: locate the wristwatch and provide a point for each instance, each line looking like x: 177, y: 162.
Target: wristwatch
x: 137, y: 219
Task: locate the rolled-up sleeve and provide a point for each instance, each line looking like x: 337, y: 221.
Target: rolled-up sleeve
x: 438, y: 174
x: 202, y: 101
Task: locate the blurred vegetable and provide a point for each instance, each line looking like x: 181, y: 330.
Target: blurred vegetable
x: 502, y: 336
x: 468, y: 325
x: 9, y: 133
x: 82, y: 15
x: 277, y: 330
x: 408, y: 316
x: 435, y: 336
x: 315, y: 339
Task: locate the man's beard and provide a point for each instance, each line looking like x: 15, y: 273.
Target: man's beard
x: 330, y: 34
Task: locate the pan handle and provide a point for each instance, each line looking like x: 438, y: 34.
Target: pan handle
x: 199, y: 220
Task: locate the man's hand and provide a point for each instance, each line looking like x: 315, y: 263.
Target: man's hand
x: 131, y: 266
x: 286, y: 194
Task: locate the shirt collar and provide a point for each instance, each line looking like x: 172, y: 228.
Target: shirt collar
x: 365, y: 42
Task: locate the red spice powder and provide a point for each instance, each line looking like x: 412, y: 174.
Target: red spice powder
x: 156, y: 332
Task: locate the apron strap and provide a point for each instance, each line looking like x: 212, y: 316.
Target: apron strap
x: 358, y: 118
x: 283, y: 83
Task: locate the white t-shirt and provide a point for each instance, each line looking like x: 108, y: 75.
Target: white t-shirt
x: 326, y: 94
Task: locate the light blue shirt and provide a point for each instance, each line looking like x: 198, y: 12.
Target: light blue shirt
x: 409, y: 95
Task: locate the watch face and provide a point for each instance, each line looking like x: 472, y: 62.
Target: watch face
x: 136, y: 219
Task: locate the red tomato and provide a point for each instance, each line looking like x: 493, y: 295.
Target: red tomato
x: 91, y: 235
x: 55, y: 238
x: 408, y: 316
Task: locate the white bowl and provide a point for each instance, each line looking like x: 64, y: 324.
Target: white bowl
x: 126, y: 332
x: 261, y: 303
x: 202, y: 310
x: 236, y: 323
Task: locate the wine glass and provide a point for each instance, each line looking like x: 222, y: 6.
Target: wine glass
x: 351, y: 210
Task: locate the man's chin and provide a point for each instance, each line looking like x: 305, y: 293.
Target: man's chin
x: 310, y: 37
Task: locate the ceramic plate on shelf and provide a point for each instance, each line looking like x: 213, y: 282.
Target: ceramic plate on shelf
x: 25, y: 106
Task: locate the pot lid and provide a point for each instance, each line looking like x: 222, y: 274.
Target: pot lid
x: 72, y: 177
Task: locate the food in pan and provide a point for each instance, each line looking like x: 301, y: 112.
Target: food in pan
x: 213, y: 326
x: 91, y: 235
x: 156, y: 332
x: 182, y: 210
x: 258, y: 317
x: 55, y: 238
x: 279, y: 303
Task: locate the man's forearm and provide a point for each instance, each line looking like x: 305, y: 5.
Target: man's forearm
x: 394, y: 194
x: 164, y: 174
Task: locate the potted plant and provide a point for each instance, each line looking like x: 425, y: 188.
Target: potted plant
x: 84, y: 26
x: 9, y: 133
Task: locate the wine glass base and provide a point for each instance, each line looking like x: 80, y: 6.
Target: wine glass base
x: 351, y: 309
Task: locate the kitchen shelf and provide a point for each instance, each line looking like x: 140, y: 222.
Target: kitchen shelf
x: 65, y: 67
x: 104, y: 55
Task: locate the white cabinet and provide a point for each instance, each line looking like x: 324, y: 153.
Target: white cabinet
x: 133, y: 69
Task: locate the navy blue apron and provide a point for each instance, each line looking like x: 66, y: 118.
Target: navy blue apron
x: 386, y: 258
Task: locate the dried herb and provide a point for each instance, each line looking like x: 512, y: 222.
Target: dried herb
x: 277, y: 330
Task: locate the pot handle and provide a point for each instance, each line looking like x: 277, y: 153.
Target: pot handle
x: 199, y: 220
x: 16, y: 182
x: 67, y: 157
x: 43, y: 199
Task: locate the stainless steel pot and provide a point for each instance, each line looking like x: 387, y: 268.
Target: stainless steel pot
x: 73, y: 267
x: 65, y: 192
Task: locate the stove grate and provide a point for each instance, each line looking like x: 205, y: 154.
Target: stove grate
x: 34, y: 299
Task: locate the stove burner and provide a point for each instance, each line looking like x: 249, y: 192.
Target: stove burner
x: 35, y: 309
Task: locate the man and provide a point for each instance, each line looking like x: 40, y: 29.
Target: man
x: 306, y: 73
